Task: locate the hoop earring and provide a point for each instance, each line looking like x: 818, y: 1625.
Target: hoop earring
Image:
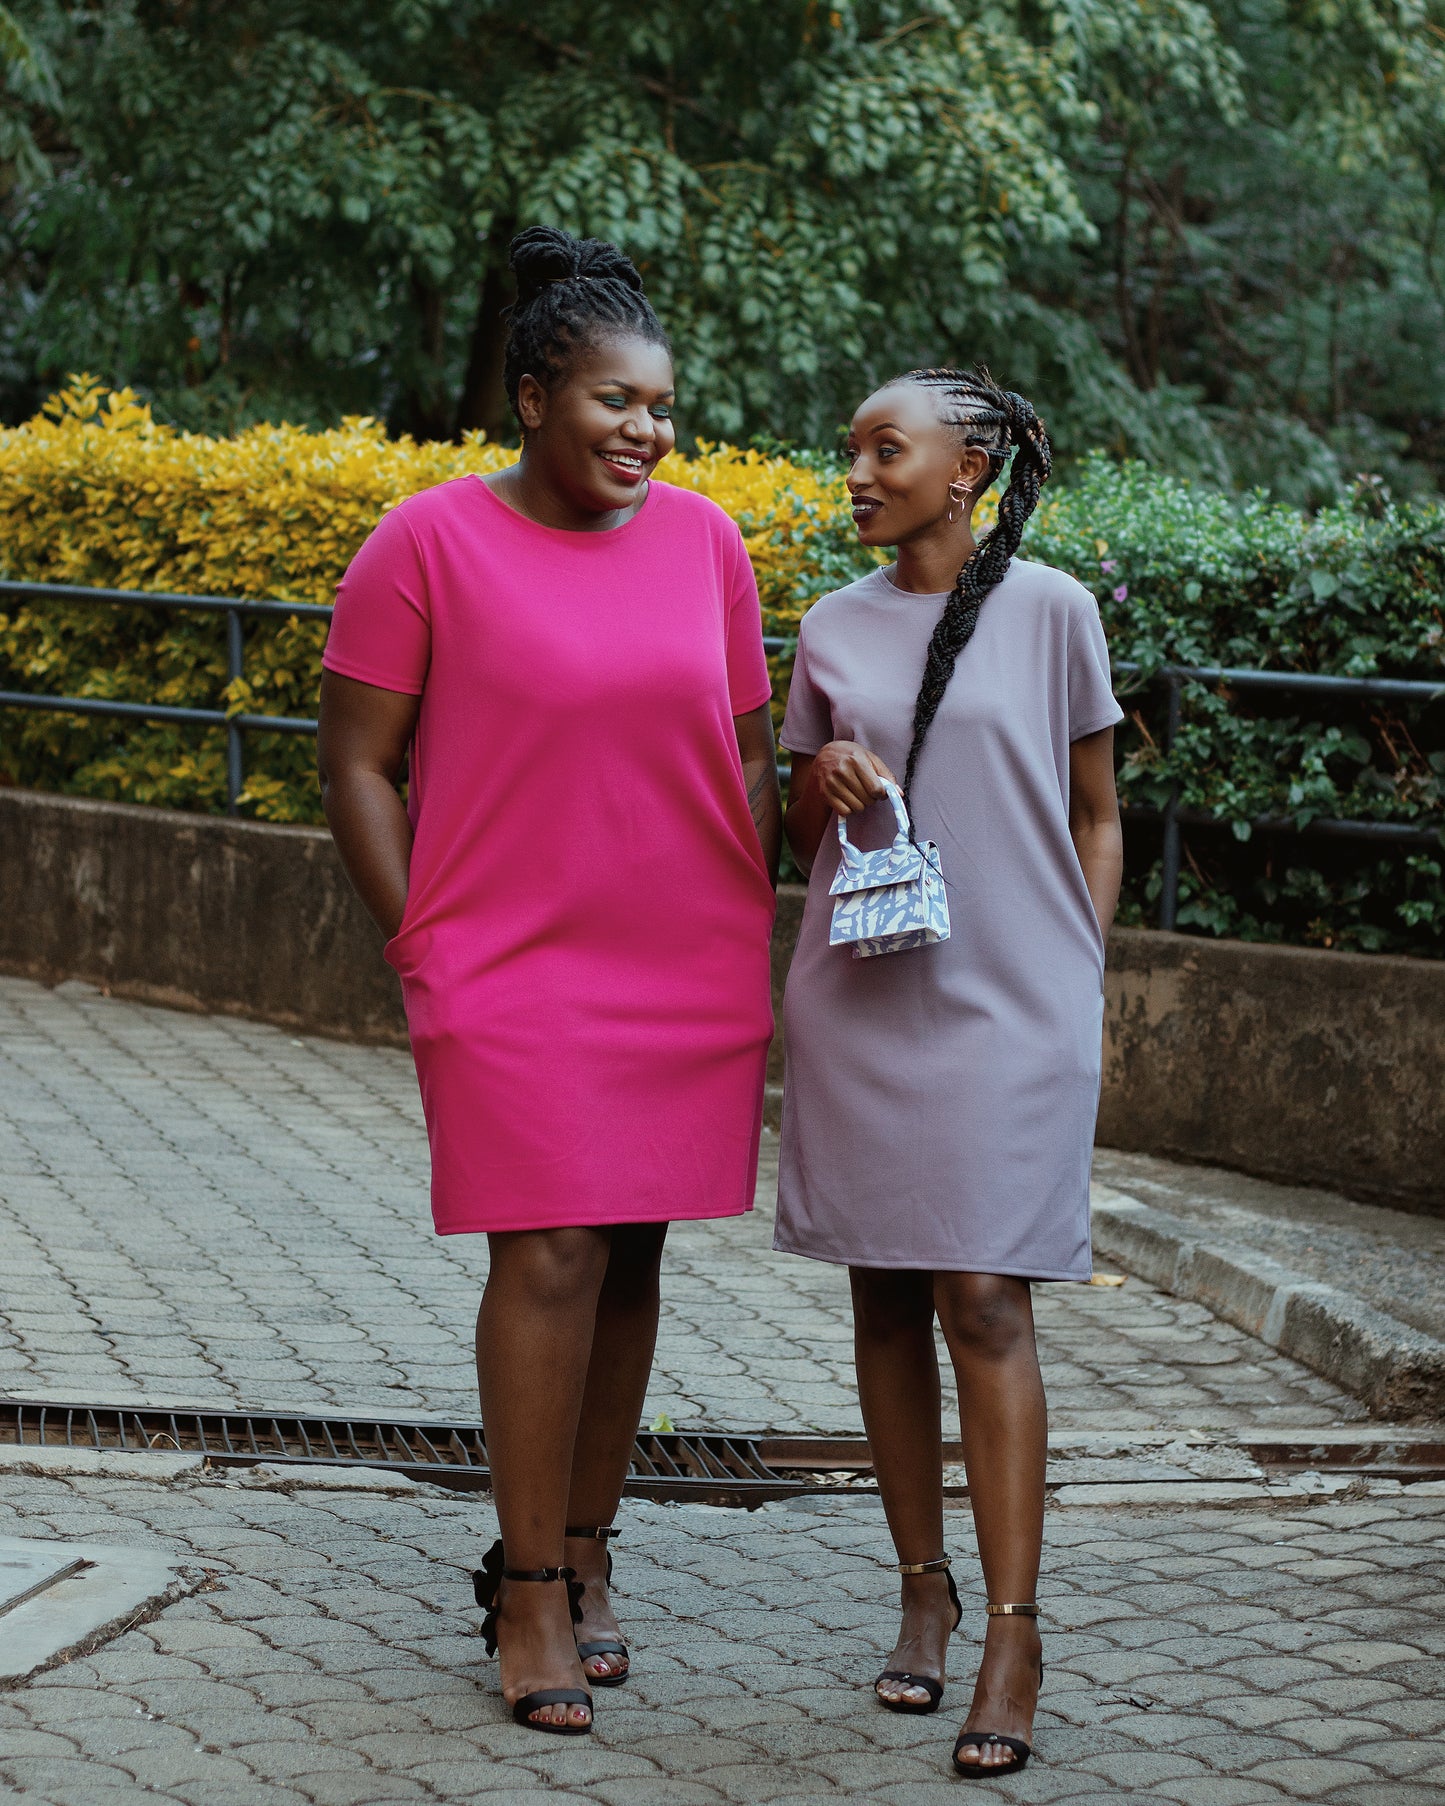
x: 958, y: 494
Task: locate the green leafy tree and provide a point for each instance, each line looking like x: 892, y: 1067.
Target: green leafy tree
x: 1266, y: 270
x: 1203, y: 234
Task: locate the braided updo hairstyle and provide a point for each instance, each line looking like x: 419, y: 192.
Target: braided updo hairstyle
x: 993, y: 419
x: 572, y: 294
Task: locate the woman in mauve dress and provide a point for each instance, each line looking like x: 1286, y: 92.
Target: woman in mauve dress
x: 939, y: 1105
x: 578, y: 898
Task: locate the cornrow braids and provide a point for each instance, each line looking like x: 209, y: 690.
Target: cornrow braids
x: 994, y: 420
x: 572, y: 293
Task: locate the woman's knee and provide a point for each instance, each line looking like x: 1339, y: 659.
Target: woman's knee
x: 552, y: 1268
x: 985, y: 1316
x: 890, y: 1302
x: 634, y: 1265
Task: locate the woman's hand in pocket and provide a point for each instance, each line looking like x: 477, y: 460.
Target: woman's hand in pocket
x: 849, y: 777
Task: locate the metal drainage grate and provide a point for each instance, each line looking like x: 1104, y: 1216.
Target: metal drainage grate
x: 703, y: 1467
x: 1409, y: 1459
x: 700, y: 1467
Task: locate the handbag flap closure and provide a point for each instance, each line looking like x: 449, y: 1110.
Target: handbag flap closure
x: 899, y: 863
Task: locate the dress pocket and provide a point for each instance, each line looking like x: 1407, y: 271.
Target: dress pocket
x: 395, y: 951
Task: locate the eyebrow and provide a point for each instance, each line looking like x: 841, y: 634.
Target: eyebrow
x: 613, y: 382
x: 884, y: 426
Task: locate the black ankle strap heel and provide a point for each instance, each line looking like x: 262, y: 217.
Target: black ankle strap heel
x: 929, y: 1683
x: 598, y: 1646
x: 486, y: 1585
x: 1019, y: 1750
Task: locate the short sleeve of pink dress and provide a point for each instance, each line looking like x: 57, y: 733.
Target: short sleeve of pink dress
x: 584, y: 952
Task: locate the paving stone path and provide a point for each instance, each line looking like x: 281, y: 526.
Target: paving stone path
x: 1209, y: 1659
x: 209, y: 1211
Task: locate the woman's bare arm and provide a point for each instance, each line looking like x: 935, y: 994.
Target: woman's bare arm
x: 1094, y: 822
x: 840, y: 779
x: 362, y: 739
x: 760, y: 773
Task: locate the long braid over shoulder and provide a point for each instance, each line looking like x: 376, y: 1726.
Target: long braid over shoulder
x: 572, y: 293
x: 995, y: 420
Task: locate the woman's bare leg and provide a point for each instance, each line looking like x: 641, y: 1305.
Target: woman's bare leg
x: 534, y: 1339
x: 988, y: 1323
x: 899, y: 1393
x: 622, y: 1349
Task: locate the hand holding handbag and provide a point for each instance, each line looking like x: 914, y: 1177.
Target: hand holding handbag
x: 892, y: 900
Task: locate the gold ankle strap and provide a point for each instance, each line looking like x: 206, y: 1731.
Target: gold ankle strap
x: 941, y: 1566
x: 1012, y: 1611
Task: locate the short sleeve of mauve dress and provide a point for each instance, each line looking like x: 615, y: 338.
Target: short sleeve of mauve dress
x: 584, y: 950
x: 939, y: 1105
x: 807, y: 723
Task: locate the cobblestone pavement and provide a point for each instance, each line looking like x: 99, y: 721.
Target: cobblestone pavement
x: 1205, y: 1658
x: 209, y: 1211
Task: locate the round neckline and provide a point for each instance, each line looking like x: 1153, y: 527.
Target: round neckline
x: 570, y: 534
x: 907, y: 595
x: 919, y: 595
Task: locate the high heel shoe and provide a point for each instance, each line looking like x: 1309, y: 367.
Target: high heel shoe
x: 930, y: 1684
x: 596, y: 1646
x: 981, y: 1740
x: 486, y: 1584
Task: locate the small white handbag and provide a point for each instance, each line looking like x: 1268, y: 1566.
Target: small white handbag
x: 891, y: 900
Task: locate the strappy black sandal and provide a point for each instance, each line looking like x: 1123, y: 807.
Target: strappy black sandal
x: 930, y: 1684
x: 596, y: 1646
x: 486, y: 1584
x: 981, y: 1740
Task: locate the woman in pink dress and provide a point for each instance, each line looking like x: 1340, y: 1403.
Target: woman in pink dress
x: 578, y: 898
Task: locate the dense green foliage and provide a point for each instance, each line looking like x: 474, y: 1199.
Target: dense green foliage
x: 1199, y: 234
x: 1185, y: 576
x: 96, y: 493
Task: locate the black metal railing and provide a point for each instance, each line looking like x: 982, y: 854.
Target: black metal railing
x: 236, y: 725
x: 1171, y: 818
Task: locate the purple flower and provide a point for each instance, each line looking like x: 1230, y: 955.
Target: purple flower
x: 1108, y: 566
x: 1122, y: 593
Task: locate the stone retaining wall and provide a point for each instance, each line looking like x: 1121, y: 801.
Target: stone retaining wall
x: 1319, y: 1068
x: 194, y: 911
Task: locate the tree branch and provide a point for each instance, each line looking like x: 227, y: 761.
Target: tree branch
x: 571, y: 53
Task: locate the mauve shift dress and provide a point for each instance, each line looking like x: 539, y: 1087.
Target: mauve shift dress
x: 939, y: 1105
x: 584, y: 951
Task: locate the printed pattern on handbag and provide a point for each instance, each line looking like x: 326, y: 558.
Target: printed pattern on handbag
x: 891, y: 900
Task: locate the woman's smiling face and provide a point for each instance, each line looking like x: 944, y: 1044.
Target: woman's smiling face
x: 901, y: 460
x: 601, y: 431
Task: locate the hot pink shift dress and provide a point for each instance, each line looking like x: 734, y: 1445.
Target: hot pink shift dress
x: 584, y: 952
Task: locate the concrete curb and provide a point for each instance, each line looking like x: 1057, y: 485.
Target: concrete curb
x: 1398, y: 1371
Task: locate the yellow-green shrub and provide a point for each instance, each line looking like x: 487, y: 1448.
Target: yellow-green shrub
x: 95, y: 492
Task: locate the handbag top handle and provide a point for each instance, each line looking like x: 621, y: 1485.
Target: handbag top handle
x: 900, y: 814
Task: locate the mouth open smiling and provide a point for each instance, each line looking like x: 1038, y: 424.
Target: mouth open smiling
x: 628, y: 466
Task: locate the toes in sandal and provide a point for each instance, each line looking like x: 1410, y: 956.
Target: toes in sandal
x: 486, y: 1584
x: 930, y: 1683
x: 601, y: 1646
x: 982, y: 1740
x: 993, y: 1771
